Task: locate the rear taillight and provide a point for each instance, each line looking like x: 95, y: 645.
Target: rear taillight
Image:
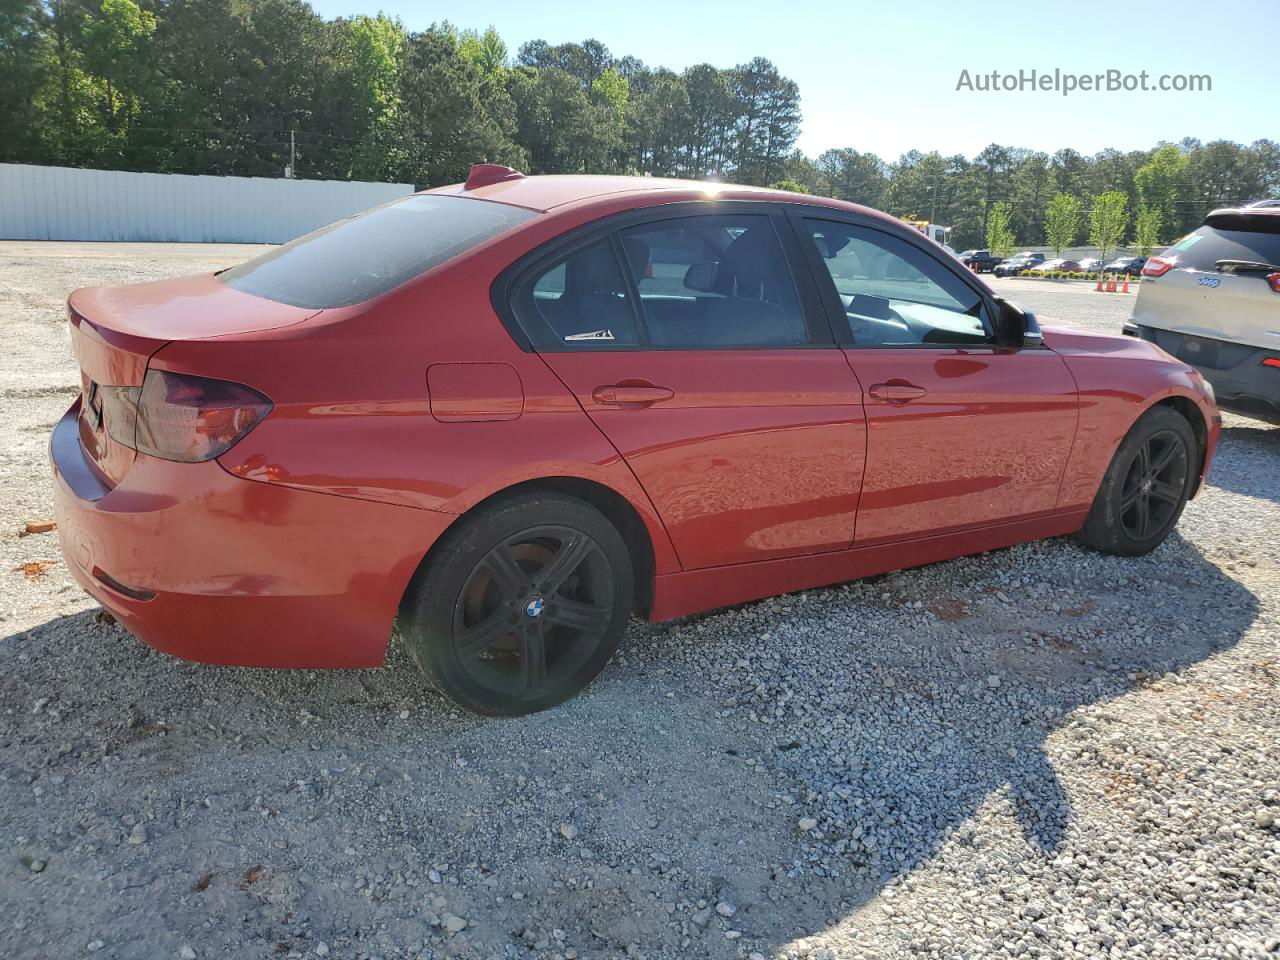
x: 1271, y: 362
x: 1157, y: 267
x: 176, y: 416
x: 1274, y: 280
x: 120, y: 412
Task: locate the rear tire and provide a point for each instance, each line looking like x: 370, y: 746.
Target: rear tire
x: 521, y: 605
x: 1146, y: 486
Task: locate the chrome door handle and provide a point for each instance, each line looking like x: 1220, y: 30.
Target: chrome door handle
x: 895, y: 392
x: 631, y: 395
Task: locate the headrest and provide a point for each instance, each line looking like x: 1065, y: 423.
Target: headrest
x: 586, y: 270
x: 702, y: 277
x: 637, y: 254
x: 748, y: 268
x: 831, y: 242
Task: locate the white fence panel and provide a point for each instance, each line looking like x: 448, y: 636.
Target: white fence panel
x: 62, y: 203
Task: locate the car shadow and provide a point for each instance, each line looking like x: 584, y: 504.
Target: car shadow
x: 357, y: 808
x: 1242, y: 444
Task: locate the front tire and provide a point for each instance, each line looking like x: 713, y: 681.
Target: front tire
x: 1146, y: 486
x: 521, y: 605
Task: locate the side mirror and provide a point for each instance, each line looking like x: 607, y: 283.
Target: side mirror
x: 1017, y: 327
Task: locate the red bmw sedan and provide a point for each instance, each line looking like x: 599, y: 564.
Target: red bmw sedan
x: 507, y: 414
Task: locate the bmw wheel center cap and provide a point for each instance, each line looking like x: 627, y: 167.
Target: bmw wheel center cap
x: 533, y: 609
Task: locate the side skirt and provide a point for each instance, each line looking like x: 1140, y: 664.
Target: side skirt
x: 694, y: 591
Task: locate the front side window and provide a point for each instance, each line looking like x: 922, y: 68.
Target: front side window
x: 714, y: 281
x: 364, y: 256
x: 894, y: 293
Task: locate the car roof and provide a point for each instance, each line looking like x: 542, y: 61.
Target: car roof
x: 546, y: 193
x: 1264, y: 219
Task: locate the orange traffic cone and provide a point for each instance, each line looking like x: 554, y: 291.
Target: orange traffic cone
x: 1111, y: 285
x: 1125, y: 287
x: 1098, y: 286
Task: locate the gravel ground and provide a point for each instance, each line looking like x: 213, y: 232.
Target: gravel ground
x: 1038, y: 752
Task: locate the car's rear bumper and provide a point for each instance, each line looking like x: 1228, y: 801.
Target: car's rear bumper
x: 207, y: 566
x: 1242, y: 383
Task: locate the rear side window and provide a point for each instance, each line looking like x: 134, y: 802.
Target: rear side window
x: 580, y: 303
x: 714, y: 282
x: 1203, y: 249
x: 364, y: 256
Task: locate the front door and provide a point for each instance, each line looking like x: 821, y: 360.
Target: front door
x: 685, y: 341
x: 961, y: 431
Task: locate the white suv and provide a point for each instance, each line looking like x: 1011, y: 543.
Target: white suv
x: 1213, y: 300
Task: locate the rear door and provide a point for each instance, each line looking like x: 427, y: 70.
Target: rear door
x: 962, y: 432
x: 687, y: 342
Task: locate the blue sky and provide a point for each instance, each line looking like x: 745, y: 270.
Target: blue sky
x: 882, y: 76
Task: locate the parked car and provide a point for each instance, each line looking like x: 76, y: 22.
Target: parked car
x: 980, y: 261
x: 1018, y: 264
x: 1058, y: 265
x: 1130, y: 266
x: 1213, y: 301
x: 505, y: 415
x: 1090, y: 264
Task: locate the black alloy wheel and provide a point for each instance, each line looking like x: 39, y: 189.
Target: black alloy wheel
x: 533, y: 610
x: 1146, y: 487
x: 1155, y: 486
x: 520, y: 605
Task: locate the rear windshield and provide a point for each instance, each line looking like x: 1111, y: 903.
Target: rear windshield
x: 363, y: 256
x: 1203, y: 249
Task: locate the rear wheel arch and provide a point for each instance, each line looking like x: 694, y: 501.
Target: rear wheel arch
x: 616, y: 508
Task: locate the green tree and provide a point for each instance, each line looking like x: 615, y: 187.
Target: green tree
x: 1162, y: 184
x: 1071, y: 173
x: 995, y: 166
x: 1031, y: 184
x: 378, y: 47
x: 1108, y: 220
x: 559, y: 125
x: 1062, y: 219
x: 800, y: 169
x: 611, y: 90
x: 449, y: 114
x: 789, y: 185
x: 1000, y: 238
x: 584, y: 61
x: 25, y: 63
x: 248, y: 86
x: 853, y: 176
x: 485, y: 50
x: 658, y: 118
x: 712, y: 113
x: 116, y: 43
x: 1146, y: 231
x: 767, y: 120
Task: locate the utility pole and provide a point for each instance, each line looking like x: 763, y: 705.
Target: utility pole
x: 289, y: 170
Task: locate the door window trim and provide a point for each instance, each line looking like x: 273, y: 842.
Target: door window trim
x: 797, y: 214
x: 510, y: 283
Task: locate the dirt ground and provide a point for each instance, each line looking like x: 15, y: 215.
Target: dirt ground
x: 1038, y: 752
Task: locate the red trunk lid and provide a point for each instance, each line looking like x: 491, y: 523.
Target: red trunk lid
x: 116, y: 330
